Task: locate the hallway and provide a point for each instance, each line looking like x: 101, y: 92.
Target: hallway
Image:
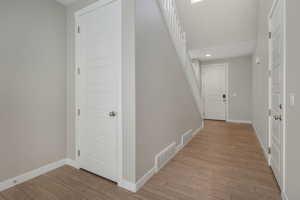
x: 223, y: 162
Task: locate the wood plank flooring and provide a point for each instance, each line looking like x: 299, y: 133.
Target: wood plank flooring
x: 223, y: 162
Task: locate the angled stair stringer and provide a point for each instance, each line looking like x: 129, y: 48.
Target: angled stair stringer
x: 171, y: 18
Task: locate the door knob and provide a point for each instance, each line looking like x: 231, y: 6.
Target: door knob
x: 112, y: 114
x: 277, y: 117
x: 224, y: 98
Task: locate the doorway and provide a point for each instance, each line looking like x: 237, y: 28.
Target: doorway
x: 215, y: 91
x: 98, y: 88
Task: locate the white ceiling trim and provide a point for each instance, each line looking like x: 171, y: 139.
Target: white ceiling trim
x: 225, y: 51
x: 66, y: 2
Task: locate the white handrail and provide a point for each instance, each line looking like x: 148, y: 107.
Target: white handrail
x: 169, y: 11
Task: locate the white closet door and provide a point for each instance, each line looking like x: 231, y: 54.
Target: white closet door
x: 277, y: 42
x: 99, y: 58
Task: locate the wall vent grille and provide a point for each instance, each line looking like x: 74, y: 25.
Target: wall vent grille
x: 165, y: 156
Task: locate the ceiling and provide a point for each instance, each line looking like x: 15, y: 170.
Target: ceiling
x: 66, y: 2
x: 222, y: 28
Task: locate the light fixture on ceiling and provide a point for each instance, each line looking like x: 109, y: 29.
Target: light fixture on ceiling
x: 195, y: 1
x: 207, y: 55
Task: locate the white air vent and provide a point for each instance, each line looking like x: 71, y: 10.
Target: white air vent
x: 165, y: 156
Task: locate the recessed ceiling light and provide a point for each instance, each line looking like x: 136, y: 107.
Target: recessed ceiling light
x: 208, y: 55
x: 195, y: 1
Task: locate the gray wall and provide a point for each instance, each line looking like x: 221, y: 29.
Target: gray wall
x: 32, y: 85
x: 260, y: 75
x: 239, y: 82
x: 293, y: 113
x: 165, y: 106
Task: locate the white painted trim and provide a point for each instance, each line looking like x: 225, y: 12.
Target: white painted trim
x: 31, y: 174
x: 284, y: 196
x: 284, y: 120
x: 181, y: 145
x: 226, y: 65
x: 134, y: 187
x: 284, y: 178
x: 239, y: 121
x: 142, y: 181
x: 127, y: 185
x: 72, y: 163
x: 266, y: 154
x: 227, y: 90
x: 91, y: 7
x: 197, y: 131
x: 119, y: 142
x: 163, y: 151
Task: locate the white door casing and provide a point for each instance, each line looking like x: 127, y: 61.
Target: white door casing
x: 215, y: 92
x: 277, y: 90
x: 98, y: 91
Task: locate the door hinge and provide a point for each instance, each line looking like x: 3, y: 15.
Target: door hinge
x: 78, y: 71
x: 270, y: 35
x: 78, y: 29
x: 78, y: 112
x: 78, y: 153
x: 269, y: 150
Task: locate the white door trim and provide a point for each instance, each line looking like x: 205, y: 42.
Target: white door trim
x: 226, y: 65
x: 119, y: 155
x: 284, y: 91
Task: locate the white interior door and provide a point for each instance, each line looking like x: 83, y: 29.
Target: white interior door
x: 99, y: 60
x: 214, y: 91
x: 277, y: 89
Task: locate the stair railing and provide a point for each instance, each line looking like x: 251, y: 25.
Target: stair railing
x: 171, y: 16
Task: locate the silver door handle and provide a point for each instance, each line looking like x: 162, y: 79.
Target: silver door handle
x: 112, y: 114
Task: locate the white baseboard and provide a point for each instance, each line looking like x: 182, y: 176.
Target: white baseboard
x: 284, y: 196
x: 197, y: 131
x: 266, y: 154
x: 72, y: 163
x: 30, y: 175
x: 179, y: 147
x: 194, y: 133
x: 239, y: 121
x: 132, y: 187
x: 181, y: 144
x: 142, y: 181
x: 166, y: 154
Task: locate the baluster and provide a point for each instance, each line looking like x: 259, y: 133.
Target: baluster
x: 168, y: 11
x: 172, y: 20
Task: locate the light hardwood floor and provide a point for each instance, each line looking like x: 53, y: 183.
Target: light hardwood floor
x: 223, y: 162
